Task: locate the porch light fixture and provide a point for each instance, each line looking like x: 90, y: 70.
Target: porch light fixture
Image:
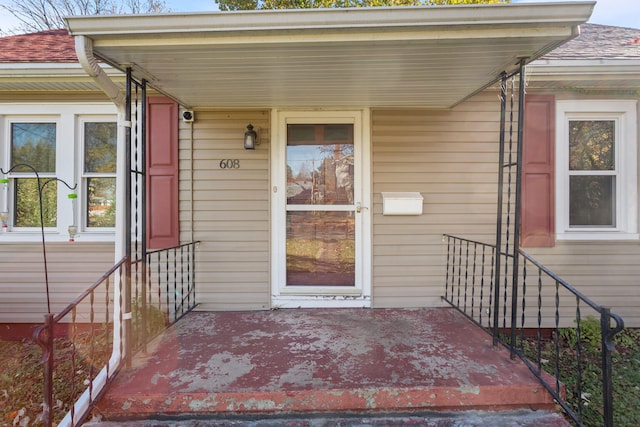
x: 250, y: 138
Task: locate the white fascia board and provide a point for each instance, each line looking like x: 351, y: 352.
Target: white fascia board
x: 348, y: 19
x: 49, y: 70
x: 583, y: 69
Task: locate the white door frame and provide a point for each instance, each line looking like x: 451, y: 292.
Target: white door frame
x: 318, y: 296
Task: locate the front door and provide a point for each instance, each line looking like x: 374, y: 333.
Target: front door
x: 321, y: 214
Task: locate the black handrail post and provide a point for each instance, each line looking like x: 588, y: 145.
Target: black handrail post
x: 496, y: 296
x: 607, y: 379
x: 48, y: 359
x: 517, y: 220
x: 143, y: 197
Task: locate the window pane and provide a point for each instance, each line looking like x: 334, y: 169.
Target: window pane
x: 35, y: 145
x: 101, y: 202
x: 592, y: 201
x: 27, y: 211
x: 100, y: 147
x: 320, y: 172
x: 320, y: 249
x: 592, y: 145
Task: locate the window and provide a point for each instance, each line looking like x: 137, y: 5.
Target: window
x: 596, y: 170
x: 99, y: 174
x: 75, y: 143
x: 33, y: 144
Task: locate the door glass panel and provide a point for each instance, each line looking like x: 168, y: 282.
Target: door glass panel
x: 320, y: 248
x: 320, y: 176
x: 320, y: 164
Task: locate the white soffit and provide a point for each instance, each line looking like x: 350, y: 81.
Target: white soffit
x: 434, y: 56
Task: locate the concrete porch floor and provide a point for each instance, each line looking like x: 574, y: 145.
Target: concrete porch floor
x: 310, y: 361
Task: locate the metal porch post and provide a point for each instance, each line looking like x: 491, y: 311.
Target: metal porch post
x: 143, y: 219
x: 517, y: 219
x: 496, y: 296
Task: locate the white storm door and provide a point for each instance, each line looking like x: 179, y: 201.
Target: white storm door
x: 321, y: 215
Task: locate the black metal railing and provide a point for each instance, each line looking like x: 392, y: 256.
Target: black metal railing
x: 550, y: 325
x: 163, y: 291
x: 86, y: 344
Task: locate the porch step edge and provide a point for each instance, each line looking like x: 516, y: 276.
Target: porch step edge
x: 384, y: 399
x: 519, y: 418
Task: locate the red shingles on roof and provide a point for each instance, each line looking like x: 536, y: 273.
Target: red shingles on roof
x: 51, y: 46
x: 600, y: 42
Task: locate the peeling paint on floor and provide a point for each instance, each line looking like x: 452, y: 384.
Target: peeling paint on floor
x: 327, y: 360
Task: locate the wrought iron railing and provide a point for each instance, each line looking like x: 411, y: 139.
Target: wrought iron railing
x: 541, y: 319
x: 167, y: 294
x: 86, y: 344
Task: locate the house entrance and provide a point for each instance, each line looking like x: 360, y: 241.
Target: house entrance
x: 320, y: 210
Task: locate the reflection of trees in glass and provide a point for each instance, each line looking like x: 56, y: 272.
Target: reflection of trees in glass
x: 100, y: 147
x: 34, y: 144
x: 320, y: 157
x: 27, y: 204
x: 101, y: 203
x: 100, y: 161
x: 592, y: 196
x: 591, y: 145
x: 592, y: 201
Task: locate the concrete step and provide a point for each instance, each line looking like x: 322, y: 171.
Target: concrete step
x: 322, y: 361
x: 520, y: 418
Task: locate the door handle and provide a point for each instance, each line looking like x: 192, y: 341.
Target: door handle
x: 359, y: 207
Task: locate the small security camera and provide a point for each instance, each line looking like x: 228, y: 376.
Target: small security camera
x: 187, y: 116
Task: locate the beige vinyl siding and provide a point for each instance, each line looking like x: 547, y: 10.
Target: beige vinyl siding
x: 227, y: 209
x: 72, y: 267
x: 450, y: 157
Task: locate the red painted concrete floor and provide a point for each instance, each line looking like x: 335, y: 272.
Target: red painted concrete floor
x: 321, y: 361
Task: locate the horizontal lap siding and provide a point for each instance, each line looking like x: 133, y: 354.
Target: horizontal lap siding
x: 450, y: 157
x: 606, y: 272
x: 230, y: 211
x: 23, y: 298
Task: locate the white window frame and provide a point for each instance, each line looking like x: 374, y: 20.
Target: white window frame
x: 624, y: 114
x: 69, y: 168
x: 81, y: 211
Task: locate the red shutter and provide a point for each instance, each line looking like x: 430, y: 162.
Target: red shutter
x: 538, y: 164
x: 162, y: 173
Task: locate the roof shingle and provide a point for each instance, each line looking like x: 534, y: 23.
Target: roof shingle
x: 53, y: 46
x: 600, y: 42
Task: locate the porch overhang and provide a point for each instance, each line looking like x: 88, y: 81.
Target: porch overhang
x: 432, y: 57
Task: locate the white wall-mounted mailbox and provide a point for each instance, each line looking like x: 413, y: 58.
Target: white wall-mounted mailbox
x: 402, y: 203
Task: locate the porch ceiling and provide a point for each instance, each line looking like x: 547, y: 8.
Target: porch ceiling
x: 431, y: 57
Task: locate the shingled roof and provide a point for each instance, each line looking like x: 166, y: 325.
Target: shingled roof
x: 600, y: 42
x: 53, y: 46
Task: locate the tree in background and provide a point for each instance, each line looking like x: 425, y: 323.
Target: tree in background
x: 308, y: 4
x: 40, y: 15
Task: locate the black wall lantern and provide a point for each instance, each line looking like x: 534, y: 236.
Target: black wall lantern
x: 250, y: 138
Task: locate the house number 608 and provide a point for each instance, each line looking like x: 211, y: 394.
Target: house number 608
x: 229, y: 164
